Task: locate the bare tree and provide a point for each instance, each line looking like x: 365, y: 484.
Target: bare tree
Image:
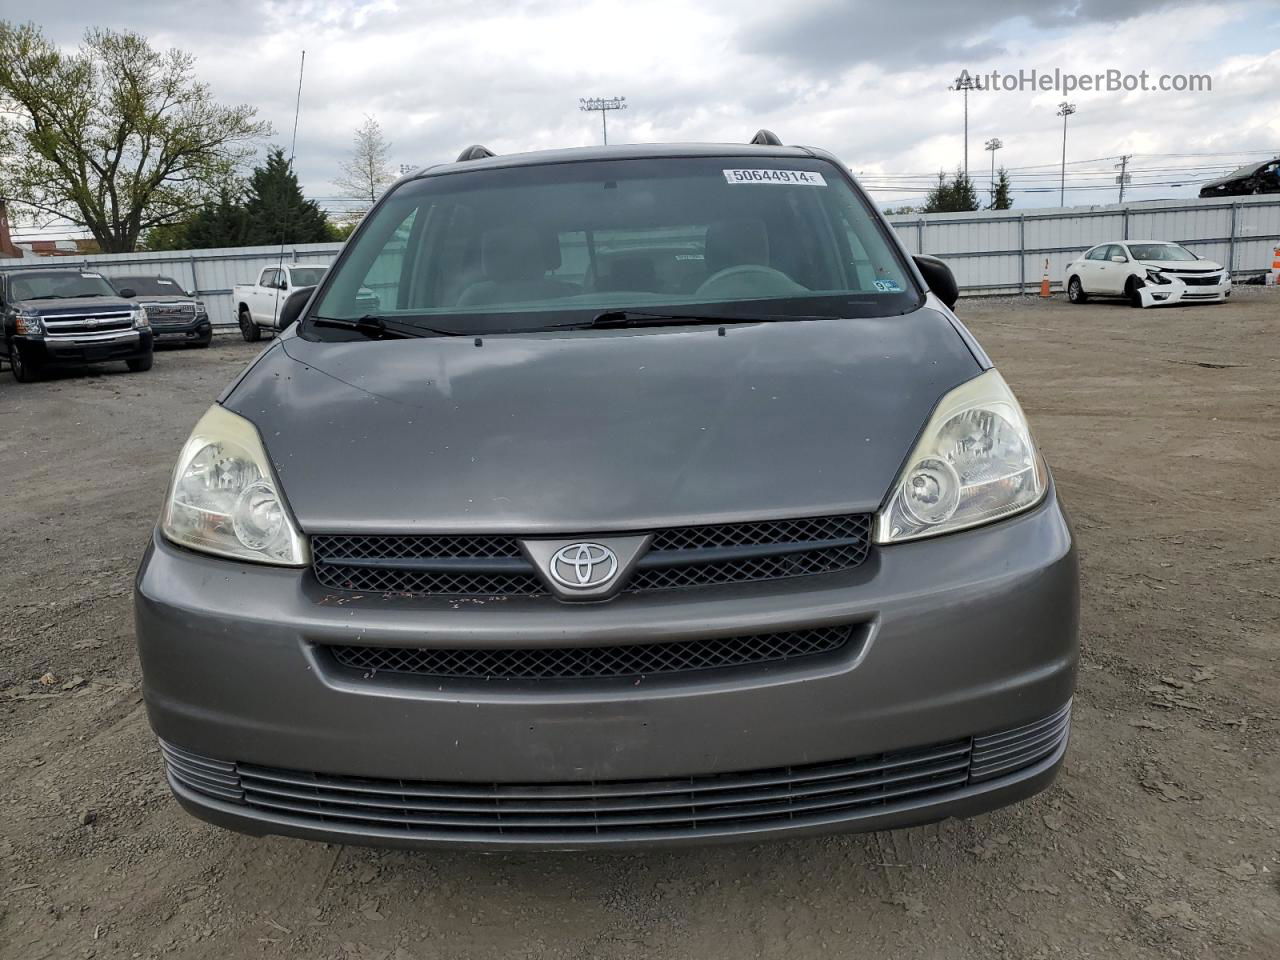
x: 368, y: 172
x: 116, y: 137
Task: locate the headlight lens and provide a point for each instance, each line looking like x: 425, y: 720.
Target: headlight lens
x: 201, y: 309
x: 224, y: 499
x: 140, y: 319
x: 974, y: 463
x: 1155, y: 276
x: 28, y: 324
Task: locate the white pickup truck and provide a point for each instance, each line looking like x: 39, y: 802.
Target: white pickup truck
x: 258, y: 304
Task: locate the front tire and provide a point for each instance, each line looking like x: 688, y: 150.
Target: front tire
x: 1075, y: 291
x: 1131, y: 291
x: 141, y: 364
x: 24, y: 371
x: 248, y: 329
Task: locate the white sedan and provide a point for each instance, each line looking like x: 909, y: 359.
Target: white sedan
x: 1148, y: 273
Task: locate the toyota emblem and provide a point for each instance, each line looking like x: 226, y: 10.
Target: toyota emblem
x: 580, y: 566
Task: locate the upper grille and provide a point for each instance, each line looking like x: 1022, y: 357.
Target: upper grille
x: 482, y: 565
x: 161, y: 314
x: 88, y: 326
x: 1201, y: 281
x: 582, y: 663
x: 618, y: 810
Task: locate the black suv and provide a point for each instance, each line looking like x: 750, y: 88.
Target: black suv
x: 176, y: 315
x: 61, y: 317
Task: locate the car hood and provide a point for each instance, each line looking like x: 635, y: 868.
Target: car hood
x: 599, y: 431
x: 164, y: 298
x: 1184, y: 266
x: 79, y: 305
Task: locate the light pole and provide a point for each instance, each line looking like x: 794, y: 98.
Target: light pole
x: 604, y: 105
x: 994, y: 144
x: 965, y: 83
x: 1064, y: 110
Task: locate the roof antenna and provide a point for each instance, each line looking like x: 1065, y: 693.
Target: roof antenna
x: 766, y: 138
x: 293, y: 152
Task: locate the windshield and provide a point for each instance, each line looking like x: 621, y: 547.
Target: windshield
x: 1160, y: 251
x: 306, y: 276
x: 553, y: 244
x: 149, y: 286
x: 60, y: 284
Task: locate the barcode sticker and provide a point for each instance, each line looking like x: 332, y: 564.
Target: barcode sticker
x: 805, y: 178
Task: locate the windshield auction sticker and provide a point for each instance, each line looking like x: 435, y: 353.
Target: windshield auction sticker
x: 802, y: 177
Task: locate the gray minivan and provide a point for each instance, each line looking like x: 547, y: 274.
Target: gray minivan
x: 612, y: 497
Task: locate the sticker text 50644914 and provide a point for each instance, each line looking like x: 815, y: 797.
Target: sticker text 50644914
x: 804, y: 178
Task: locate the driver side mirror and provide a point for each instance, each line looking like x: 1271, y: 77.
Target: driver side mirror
x: 128, y: 292
x: 1118, y: 259
x: 939, y: 278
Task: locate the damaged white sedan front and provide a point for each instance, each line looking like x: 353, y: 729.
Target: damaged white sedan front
x: 1146, y: 273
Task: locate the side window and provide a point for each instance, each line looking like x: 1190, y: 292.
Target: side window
x: 1097, y: 253
x: 268, y: 278
x: 385, y: 280
x: 1115, y: 250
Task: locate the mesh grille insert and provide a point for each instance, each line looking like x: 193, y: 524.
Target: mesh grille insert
x: 485, y: 565
x: 581, y: 663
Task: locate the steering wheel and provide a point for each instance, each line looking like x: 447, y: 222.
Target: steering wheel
x: 748, y: 279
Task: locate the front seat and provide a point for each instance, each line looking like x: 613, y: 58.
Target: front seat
x: 732, y: 243
x: 515, y: 261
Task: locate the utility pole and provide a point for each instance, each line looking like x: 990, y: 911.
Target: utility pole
x: 994, y: 144
x: 965, y: 83
x: 1124, y: 177
x: 604, y: 105
x: 1064, y: 110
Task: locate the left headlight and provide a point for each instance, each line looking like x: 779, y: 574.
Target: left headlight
x: 224, y: 498
x: 28, y: 324
x: 140, y: 319
x: 975, y: 462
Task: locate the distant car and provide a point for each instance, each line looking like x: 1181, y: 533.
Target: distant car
x: 1261, y: 177
x: 55, y: 317
x: 175, y: 314
x: 258, y: 304
x: 1147, y: 273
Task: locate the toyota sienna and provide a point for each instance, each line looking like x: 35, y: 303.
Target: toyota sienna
x: 612, y: 497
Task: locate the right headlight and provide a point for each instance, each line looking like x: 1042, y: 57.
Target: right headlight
x: 224, y: 498
x: 975, y: 462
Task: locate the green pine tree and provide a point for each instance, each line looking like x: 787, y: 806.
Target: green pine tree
x: 1000, y: 199
x: 277, y: 212
x: 956, y: 196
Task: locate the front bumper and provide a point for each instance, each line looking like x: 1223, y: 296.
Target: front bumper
x: 47, y: 352
x: 963, y: 640
x: 198, y: 330
x: 1175, y: 291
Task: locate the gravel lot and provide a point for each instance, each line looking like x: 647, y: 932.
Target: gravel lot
x: 1161, y: 839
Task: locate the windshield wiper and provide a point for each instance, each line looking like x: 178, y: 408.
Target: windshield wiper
x: 373, y: 326
x: 644, y: 318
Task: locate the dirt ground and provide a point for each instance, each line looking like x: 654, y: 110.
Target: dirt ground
x: 1161, y: 839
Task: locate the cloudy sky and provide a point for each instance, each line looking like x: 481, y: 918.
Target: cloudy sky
x: 867, y: 79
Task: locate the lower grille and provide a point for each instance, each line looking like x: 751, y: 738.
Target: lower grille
x: 599, y: 662
x: 1210, y: 281
x: 618, y: 809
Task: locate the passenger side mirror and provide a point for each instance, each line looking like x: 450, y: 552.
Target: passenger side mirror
x: 1118, y: 259
x: 128, y: 292
x: 939, y: 278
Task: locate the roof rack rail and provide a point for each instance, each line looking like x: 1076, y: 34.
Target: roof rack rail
x: 766, y: 138
x: 475, y: 152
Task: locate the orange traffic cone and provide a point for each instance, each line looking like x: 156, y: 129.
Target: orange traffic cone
x: 1044, y: 282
